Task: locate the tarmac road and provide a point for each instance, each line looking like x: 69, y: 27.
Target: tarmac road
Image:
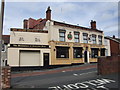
x: 68, y: 80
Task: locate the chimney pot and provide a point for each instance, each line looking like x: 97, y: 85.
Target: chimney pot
x: 25, y: 22
x: 114, y: 36
x: 48, y: 13
x: 93, y: 24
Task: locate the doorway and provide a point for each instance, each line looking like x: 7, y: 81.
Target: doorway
x: 85, y: 57
x: 46, y: 59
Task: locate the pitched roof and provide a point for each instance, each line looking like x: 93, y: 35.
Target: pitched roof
x: 6, y: 39
x: 40, y: 24
x: 28, y: 30
x: 75, y: 26
x: 35, y: 23
x: 114, y: 39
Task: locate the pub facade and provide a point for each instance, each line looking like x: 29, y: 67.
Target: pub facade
x: 45, y: 42
x: 72, y: 44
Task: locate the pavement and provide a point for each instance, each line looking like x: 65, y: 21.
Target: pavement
x: 66, y: 78
x: 53, y: 70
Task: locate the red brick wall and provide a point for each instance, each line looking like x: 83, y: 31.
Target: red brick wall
x: 6, y: 77
x: 114, y: 47
x: 108, y: 65
x: 93, y: 24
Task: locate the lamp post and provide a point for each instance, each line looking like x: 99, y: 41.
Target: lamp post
x: 1, y: 31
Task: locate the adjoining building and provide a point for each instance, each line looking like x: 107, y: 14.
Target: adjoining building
x: 107, y: 47
x: 5, y: 44
x: 45, y: 42
x: 114, y: 45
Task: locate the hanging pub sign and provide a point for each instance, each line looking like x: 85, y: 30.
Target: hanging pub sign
x: 69, y: 36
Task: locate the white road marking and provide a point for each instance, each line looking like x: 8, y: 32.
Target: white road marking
x: 75, y: 74
x: 87, y: 73
x: 83, y: 73
x: 87, y: 85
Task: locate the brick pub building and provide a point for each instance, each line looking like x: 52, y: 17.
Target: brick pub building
x: 45, y: 42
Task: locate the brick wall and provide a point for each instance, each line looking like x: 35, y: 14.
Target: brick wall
x: 108, y: 65
x: 6, y: 77
x: 114, y: 47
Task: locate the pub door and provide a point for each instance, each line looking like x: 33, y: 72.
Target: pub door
x: 85, y: 57
x: 46, y: 59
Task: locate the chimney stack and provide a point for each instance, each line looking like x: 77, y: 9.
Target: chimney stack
x: 48, y: 13
x: 93, y: 24
x: 114, y: 36
x: 25, y: 23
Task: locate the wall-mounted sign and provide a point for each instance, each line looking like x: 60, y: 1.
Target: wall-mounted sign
x: 62, y: 43
x: 69, y: 36
x: 28, y: 46
x: 77, y: 44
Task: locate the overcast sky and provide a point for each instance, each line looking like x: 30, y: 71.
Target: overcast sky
x: 104, y: 13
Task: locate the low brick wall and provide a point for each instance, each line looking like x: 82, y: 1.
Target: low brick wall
x: 108, y: 65
x: 6, y: 77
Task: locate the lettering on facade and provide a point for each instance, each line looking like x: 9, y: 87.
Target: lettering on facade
x: 21, y: 39
x: 37, y: 40
x: 29, y: 46
x: 61, y: 43
x: 77, y: 44
x: 96, y: 85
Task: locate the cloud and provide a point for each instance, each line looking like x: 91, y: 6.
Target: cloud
x: 105, y: 13
x: 62, y: 1
x: 111, y: 33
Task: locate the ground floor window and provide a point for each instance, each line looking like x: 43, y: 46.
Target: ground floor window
x: 62, y: 52
x: 94, y: 52
x: 102, y: 52
x: 77, y: 51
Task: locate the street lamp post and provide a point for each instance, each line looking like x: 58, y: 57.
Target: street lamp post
x: 1, y: 31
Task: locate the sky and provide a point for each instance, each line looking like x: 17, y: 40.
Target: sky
x: 104, y: 13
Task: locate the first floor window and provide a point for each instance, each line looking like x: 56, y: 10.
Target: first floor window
x: 62, y: 52
x: 85, y: 38
x: 100, y: 40
x: 62, y: 35
x: 77, y: 51
x: 94, y: 52
x: 93, y: 38
x: 76, y: 36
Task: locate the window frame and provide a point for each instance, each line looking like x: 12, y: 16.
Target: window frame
x: 61, y: 51
x: 94, y: 51
x: 85, y: 39
x: 60, y: 36
x: 94, y: 39
x: 100, y: 42
x: 77, y: 38
x: 78, y: 49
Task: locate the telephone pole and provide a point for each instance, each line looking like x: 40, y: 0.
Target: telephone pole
x: 1, y: 31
